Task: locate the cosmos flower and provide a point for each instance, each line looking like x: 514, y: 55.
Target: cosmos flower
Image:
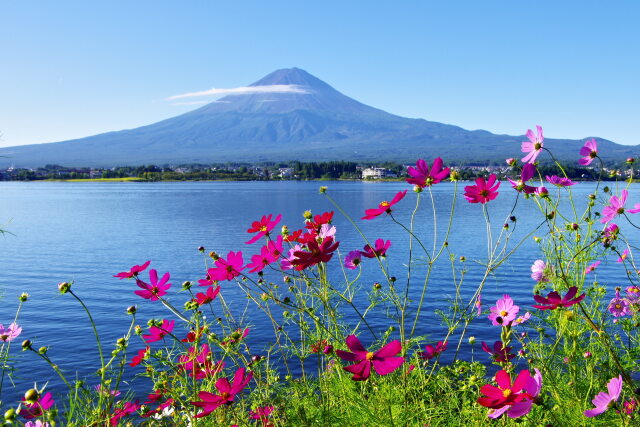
x: 384, y: 206
x: 209, y: 402
x: 592, y: 267
x: 528, y: 171
x: 262, y: 227
x: 537, y: 271
x: 523, y: 407
x: 384, y: 361
x: 604, y: 401
x: 156, y: 288
x: 422, y: 176
x: 229, y: 268
x: 133, y: 272
x: 10, y: 333
x: 553, y: 299
x: 483, y: 191
x: 504, y: 312
x: 534, y: 146
x: 588, y: 152
x: 499, y: 353
x: 380, y: 249
x: 158, y: 333
x: 616, y: 207
x: 559, y: 181
x: 353, y: 260
x: 505, y: 393
x: 430, y: 351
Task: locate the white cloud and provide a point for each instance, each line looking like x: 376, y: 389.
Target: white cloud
x: 244, y: 90
x: 191, y: 103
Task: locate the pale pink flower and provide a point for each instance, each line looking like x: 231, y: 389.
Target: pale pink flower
x: 603, y: 401
x: 534, y: 146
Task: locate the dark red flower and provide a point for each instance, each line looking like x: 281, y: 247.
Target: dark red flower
x: 431, y: 351
x: 499, y: 353
x: 137, y: 359
x: 553, y: 299
x: 505, y: 393
x: 380, y: 249
x: 318, y: 252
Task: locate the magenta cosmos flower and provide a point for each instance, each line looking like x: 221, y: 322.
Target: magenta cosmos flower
x: 523, y: 407
x: 317, y: 253
x: 534, y: 146
x: 262, y: 227
x: 384, y: 361
x: 261, y: 260
x: 592, y: 267
x: 37, y: 408
x: 262, y: 414
x: 504, y: 312
x: 430, y: 351
x: 505, y: 393
x: 209, y: 402
x: 588, y: 152
x: 134, y: 271
x: 384, y: 206
x: 619, y: 307
x: 537, y: 271
x: 208, y: 296
x: 353, y: 260
x: 422, y: 176
x: 138, y: 358
x: 553, y: 299
x: 158, y: 333
x: 528, y: 171
x: 227, y: 269
x: 623, y: 256
x: 559, y: 181
x: 483, y: 191
x: 10, y: 333
x: 128, y: 409
x: 154, y: 290
x: 499, y: 353
x: 616, y: 207
x: 380, y: 249
x: 603, y: 400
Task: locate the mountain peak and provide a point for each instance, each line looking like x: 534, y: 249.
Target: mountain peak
x: 292, y: 76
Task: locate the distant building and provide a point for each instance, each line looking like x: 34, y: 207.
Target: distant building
x: 375, y: 173
x: 285, y: 172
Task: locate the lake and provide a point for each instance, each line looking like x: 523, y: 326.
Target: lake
x: 87, y: 232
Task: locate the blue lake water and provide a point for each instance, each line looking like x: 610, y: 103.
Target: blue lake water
x: 86, y: 232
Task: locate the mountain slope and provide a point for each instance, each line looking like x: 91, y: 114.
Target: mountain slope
x: 314, y: 122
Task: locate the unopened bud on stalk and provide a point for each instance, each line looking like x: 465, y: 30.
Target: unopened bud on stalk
x: 256, y: 358
x: 186, y: 285
x: 285, y: 230
x: 201, y: 249
x: 574, y: 226
x: 43, y: 350
x: 26, y: 345
x: 214, y: 256
x: 512, y: 218
x: 10, y: 415
x: 23, y: 297
x: 64, y: 287
x: 377, y: 285
x: 463, y: 259
x: 307, y: 215
x: 472, y: 340
x: 454, y: 176
x: 605, y: 189
x: 132, y: 309
x: 121, y: 342
x: 630, y: 160
x: 417, y: 189
x: 138, y: 330
x: 551, y: 215
x: 31, y: 396
x: 323, y: 189
x: 587, y: 354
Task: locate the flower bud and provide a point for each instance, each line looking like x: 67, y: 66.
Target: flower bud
x: 285, y: 230
x: 43, y: 350
x: 307, y: 215
x: 510, y: 161
x: 463, y: 259
x: 605, y: 189
x: 26, y: 345
x: 186, y: 285
x: 328, y: 349
x: 472, y: 340
x: 31, y: 396
x: 264, y: 296
x: 201, y: 249
x: 191, y: 305
x: 214, y: 256
x: 630, y: 160
x: 574, y: 226
x: 454, y: 175
x: 256, y: 358
x: 323, y: 189
x: 551, y: 215
x: 121, y: 342
x: 587, y: 354
x: 592, y: 196
x: 23, y: 297
x: 512, y: 218
x: 377, y: 285
x: 138, y: 330
x: 64, y: 287
x: 132, y: 309
x: 10, y: 415
x: 536, y: 239
x: 417, y: 189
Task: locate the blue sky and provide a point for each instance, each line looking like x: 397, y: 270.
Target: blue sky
x: 72, y: 69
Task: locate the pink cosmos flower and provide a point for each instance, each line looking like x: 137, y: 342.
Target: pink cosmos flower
x: 384, y: 361
x: 483, y: 191
x: 510, y: 161
x: 209, y: 402
x: 133, y: 272
x: 553, y: 300
x: 208, y: 296
x: 633, y: 293
x: 319, y: 221
x: 287, y: 263
x: 537, y: 271
x: 534, y: 146
x: 142, y: 354
x: 229, y: 268
x: 384, y: 206
x: 592, y: 267
x: 541, y: 191
x: 353, y: 260
x: 128, y: 409
x: 318, y: 252
x: 37, y: 408
x: 528, y: 171
x: 603, y: 400
x: 200, y: 365
x: 588, y: 152
x: 616, y: 207
x: 161, y: 407
x: 523, y: 407
x: 37, y: 423
x: 499, y: 353
x: 506, y: 393
x: 156, y: 334
x: 623, y: 255
x: 619, y: 307
x: 262, y: 227
x: 504, y: 312
x: 156, y: 288
x: 559, y: 181
x: 10, y: 333
x: 261, y: 260
x: 479, y: 304
x: 326, y: 230
x: 262, y: 414
x: 380, y: 249
x: 106, y: 391
x: 520, y: 320
x: 422, y: 176
x: 431, y: 351
x: 630, y: 406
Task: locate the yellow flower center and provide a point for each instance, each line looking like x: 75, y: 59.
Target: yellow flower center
x: 369, y: 356
x: 503, y: 313
x: 537, y: 146
x: 224, y: 395
x: 263, y: 228
x: 618, y: 306
x: 506, y: 393
x: 384, y: 204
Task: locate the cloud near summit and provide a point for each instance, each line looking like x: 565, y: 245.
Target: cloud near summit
x: 243, y: 90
